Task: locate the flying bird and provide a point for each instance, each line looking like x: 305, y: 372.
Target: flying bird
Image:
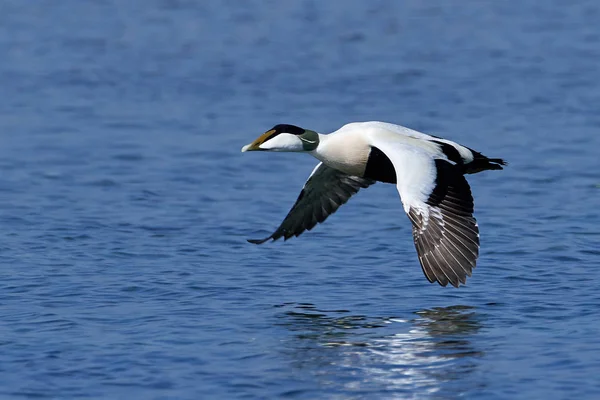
x: 428, y: 172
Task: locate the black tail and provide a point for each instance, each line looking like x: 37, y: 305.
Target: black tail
x: 482, y: 163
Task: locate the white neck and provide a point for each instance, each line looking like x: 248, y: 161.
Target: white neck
x: 323, y: 139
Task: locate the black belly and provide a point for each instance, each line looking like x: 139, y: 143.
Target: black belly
x: 379, y: 167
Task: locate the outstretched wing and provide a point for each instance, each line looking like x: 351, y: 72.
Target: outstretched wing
x: 323, y: 193
x: 438, y: 201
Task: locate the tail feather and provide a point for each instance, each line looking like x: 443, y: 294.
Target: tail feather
x: 497, y: 161
x: 482, y: 163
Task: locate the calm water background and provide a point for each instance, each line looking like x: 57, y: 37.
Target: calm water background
x: 125, y: 202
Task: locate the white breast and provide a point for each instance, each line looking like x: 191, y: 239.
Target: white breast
x: 346, y: 150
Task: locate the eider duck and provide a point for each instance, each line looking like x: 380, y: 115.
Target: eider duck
x: 428, y: 172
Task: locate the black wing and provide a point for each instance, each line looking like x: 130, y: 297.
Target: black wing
x: 447, y: 239
x: 323, y: 193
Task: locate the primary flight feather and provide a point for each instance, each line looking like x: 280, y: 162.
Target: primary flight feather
x: 428, y: 172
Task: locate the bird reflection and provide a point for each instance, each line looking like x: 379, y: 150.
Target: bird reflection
x: 361, y: 354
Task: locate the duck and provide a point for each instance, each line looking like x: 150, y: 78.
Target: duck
x: 429, y: 174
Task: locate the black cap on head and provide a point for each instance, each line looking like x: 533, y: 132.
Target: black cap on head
x: 285, y: 128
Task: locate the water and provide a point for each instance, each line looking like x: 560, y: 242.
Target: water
x: 125, y: 202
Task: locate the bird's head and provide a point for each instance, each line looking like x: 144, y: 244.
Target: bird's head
x: 285, y: 138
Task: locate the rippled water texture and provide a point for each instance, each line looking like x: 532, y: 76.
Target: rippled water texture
x: 125, y: 203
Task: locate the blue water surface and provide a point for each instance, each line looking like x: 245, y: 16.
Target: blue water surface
x: 125, y: 203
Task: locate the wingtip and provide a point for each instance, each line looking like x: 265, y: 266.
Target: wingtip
x: 258, y: 241
x: 453, y: 284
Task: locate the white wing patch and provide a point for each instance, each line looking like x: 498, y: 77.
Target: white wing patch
x: 415, y: 172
